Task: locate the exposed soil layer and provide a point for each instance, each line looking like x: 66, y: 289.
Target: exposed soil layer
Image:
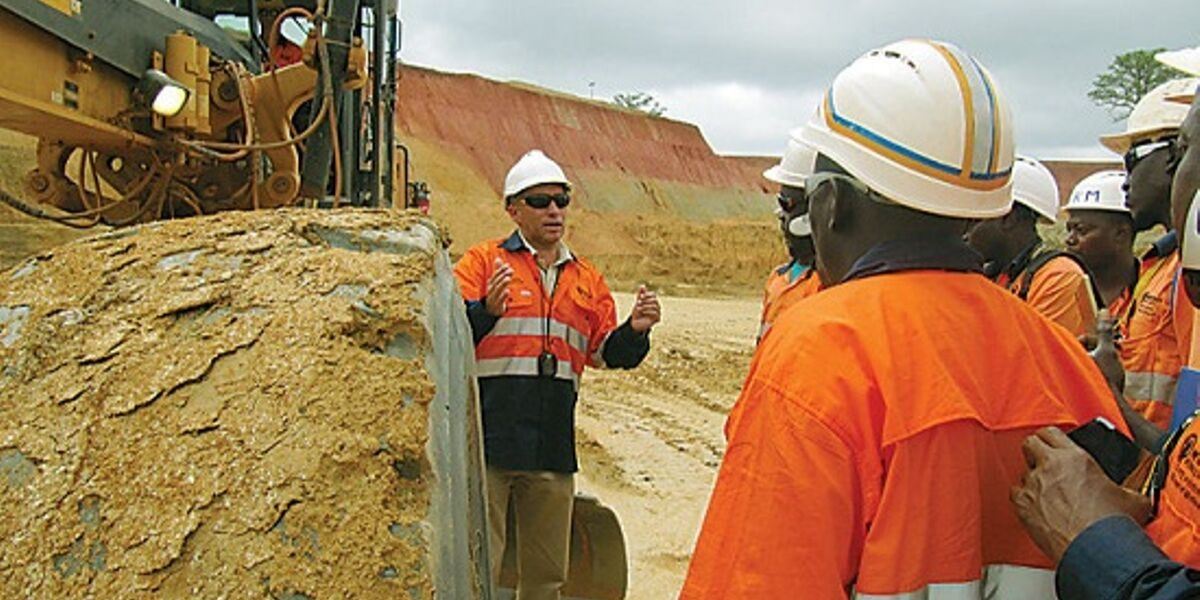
x: 233, y: 406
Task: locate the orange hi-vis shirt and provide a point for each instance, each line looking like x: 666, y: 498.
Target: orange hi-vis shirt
x: 1060, y: 290
x: 1176, y: 527
x: 1155, y: 338
x: 873, y: 446
x: 571, y: 324
x: 781, y: 291
x: 1119, y: 305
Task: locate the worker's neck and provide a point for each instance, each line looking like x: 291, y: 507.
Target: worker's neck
x: 1017, y: 243
x: 1162, y: 217
x: 1112, y: 277
x: 547, y: 254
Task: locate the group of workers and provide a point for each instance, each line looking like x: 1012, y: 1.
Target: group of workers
x: 900, y: 433
x: 927, y: 456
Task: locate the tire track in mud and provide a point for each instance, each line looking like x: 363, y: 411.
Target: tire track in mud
x: 651, y: 439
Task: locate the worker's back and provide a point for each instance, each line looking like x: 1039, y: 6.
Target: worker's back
x: 876, y: 439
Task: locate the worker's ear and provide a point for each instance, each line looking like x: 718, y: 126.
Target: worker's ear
x: 1125, y: 228
x: 1011, y: 221
x: 510, y: 207
x: 841, y: 204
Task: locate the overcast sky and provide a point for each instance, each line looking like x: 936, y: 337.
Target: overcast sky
x: 747, y: 71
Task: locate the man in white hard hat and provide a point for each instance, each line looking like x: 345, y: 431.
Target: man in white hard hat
x: 1052, y: 281
x: 539, y: 313
x: 1155, y: 332
x: 1100, y: 231
x: 879, y: 429
x: 796, y: 279
x: 1091, y: 526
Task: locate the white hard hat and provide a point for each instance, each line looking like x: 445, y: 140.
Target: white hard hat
x: 535, y: 168
x: 1034, y: 186
x: 1153, y: 116
x: 799, y: 225
x: 1103, y: 190
x: 796, y: 164
x: 1183, y: 59
x: 1186, y: 60
x: 923, y: 124
x: 1190, y: 253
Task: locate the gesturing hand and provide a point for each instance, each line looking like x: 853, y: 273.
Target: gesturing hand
x: 646, y: 310
x: 1065, y: 491
x: 1105, y: 352
x: 497, y: 288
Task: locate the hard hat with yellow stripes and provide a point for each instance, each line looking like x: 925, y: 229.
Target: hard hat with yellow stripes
x: 923, y: 124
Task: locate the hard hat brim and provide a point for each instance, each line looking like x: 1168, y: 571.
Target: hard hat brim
x: 800, y: 226
x: 907, y: 187
x: 1043, y: 215
x: 1182, y: 98
x: 777, y: 174
x: 1091, y: 208
x: 1183, y: 59
x: 1120, y: 143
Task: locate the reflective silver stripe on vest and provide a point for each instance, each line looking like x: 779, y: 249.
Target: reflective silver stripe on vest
x: 1148, y: 385
x: 998, y: 582
x: 534, y: 326
x: 521, y: 365
x: 762, y: 331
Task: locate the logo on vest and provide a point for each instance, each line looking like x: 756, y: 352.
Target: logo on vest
x: 1185, y: 472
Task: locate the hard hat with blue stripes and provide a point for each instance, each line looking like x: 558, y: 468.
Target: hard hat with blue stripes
x: 923, y: 124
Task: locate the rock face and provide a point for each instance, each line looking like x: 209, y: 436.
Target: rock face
x: 645, y: 188
x: 272, y: 404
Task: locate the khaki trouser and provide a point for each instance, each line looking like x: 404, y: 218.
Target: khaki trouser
x: 541, y: 501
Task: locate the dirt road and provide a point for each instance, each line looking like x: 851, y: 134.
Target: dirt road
x: 651, y: 439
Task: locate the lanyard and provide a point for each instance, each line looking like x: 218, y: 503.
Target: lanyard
x: 1139, y: 290
x: 1158, y: 474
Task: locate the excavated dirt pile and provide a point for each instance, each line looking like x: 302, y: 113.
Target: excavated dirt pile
x: 247, y: 405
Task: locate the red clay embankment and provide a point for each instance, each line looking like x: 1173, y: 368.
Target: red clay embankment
x: 653, y: 202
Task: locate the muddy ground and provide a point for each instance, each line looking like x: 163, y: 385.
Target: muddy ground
x: 651, y: 439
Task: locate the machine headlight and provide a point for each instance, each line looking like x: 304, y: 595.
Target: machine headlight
x: 164, y: 95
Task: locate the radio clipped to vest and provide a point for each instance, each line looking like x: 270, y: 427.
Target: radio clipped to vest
x: 547, y: 364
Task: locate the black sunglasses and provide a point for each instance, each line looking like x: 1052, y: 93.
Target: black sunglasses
x: 544, y: 200
x: 1139, y: 152
x: 787, y: 203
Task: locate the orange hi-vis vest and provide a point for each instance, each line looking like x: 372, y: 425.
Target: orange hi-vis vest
x: 1175, y: 528
x: 875, y: 441
x: 1059, y: 289
x: 1155, y: 338
x: 781, y: 291
x: 572, y: 324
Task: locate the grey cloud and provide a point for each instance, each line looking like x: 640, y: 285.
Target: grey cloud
x: 1045, y: 53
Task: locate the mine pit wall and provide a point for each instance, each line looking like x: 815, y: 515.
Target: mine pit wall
x: 645, y: 188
